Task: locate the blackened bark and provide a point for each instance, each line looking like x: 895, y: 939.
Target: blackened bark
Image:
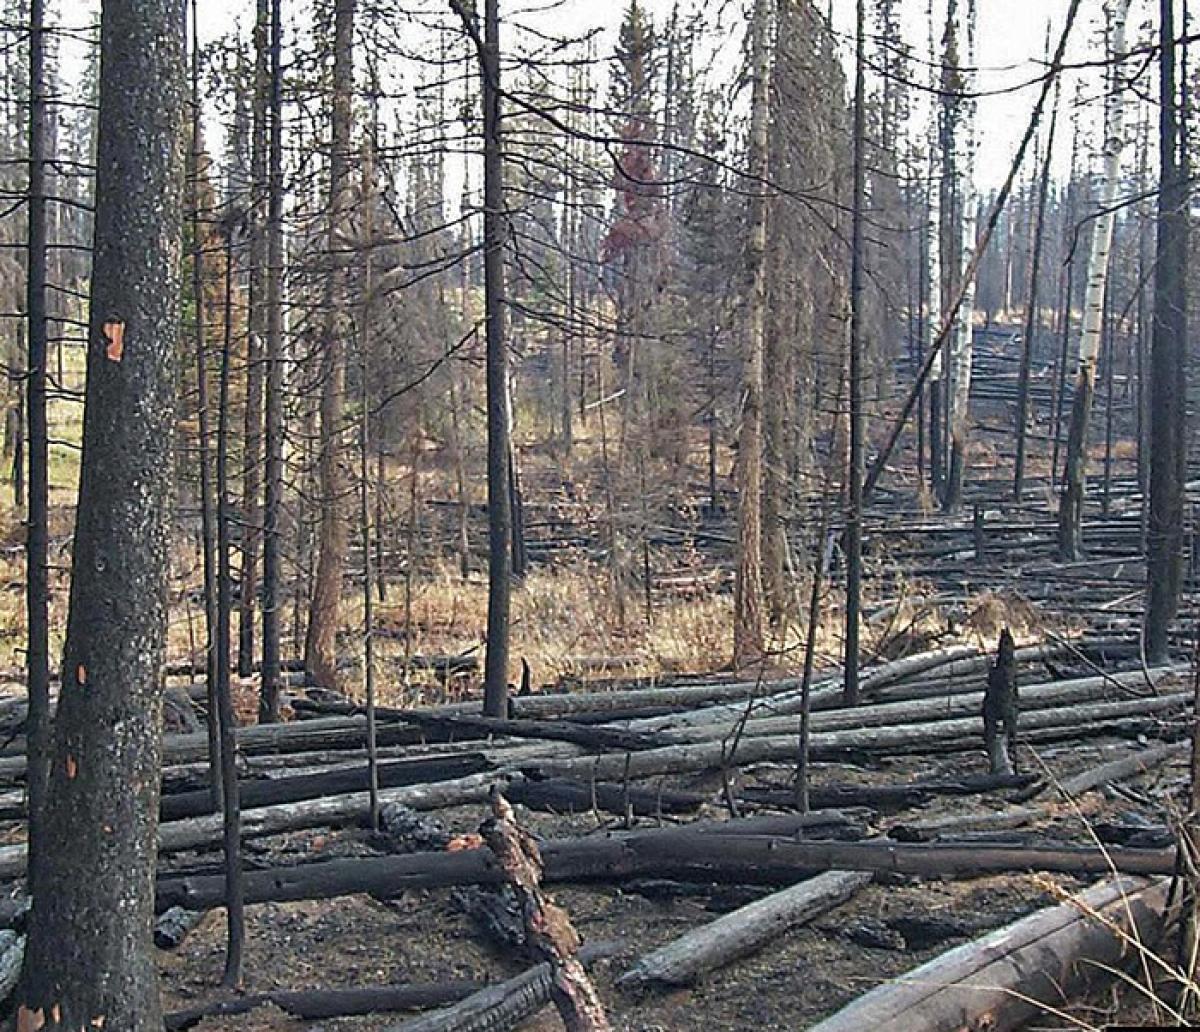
x: 1168, y: 377
x: 857, y: 417
x: 226, y: 721
x: 89, y: 959
x: 208, y: 532
x: 495, y: 702
x: 268, y: 707
x: 37, y: 589
x: 252, y: 454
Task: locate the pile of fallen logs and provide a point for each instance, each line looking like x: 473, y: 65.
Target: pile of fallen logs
x: 620, y: 752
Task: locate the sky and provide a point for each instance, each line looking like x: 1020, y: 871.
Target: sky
x: 1011, y: 41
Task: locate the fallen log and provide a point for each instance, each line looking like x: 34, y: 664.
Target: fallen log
x: 601, y: 738
x: 670, y: 853
x: 549, y: 932
x: 501, y: 1006
x: 940, y: 735
x: 879, y: 797
x: 562, y: 796
x: 174, y: 925
x: 299, y: 787
x: 744, y: 931
x: 204, y: 832
x: 1108, y: 773
x: 314, y: 1004
x: 1017, y: 973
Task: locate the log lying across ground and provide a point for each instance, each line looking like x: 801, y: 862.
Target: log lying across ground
x: 314, y: 1004
x: 1109, y: 773
x: 682, y: 854
x: 500, y: 1006
x: 1071, y: 721
x: 744, y: 931
x: 1020, y: 972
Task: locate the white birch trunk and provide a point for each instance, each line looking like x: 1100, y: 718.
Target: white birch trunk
x: 1070, y: 511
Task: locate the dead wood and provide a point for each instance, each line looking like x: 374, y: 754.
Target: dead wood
x: 1009, y: 977
x: 744, y: 931
x: 548, y: 929
x: 314, y: 1004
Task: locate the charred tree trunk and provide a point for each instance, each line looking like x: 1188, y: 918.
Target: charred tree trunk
x: 37, y: 586
x: 1168, y: 364
x: 856, y: 471
x: 252, y: 471
x: 89, y: 956
x: 498, y: 418
x: 204, y: 430
x: 268, y: 709
x: 225, y: 719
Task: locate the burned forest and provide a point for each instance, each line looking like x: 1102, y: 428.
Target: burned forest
x: 634, y: 516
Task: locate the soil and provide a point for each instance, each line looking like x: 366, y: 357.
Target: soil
x: 801, y: 977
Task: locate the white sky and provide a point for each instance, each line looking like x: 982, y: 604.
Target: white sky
x: 1011, y: 40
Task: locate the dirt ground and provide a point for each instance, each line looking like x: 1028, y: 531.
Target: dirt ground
x: 884, y: 931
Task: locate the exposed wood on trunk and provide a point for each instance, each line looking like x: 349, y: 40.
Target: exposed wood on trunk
x: 548, y: 929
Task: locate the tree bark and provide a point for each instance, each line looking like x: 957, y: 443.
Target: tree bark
x: 90, y: 955
x: 320, y: 645
x: 252, y: 470
x: 1070, y: 512
x: 857, y: 470
x: 268, y: 706
x: 1168, y: 364
x: 748, y: 641
x: 37, y: 586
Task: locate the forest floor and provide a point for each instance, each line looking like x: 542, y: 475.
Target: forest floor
x: 932, y: 581
x: 885, y: 930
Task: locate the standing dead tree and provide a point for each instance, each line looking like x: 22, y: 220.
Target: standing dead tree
x: 495, y: 703
x: 1168, y: 361
x: 89, y: 960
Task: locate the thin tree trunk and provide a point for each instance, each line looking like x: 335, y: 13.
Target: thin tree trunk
x: 37, y: 586
x: 962, y: 343
x: 204, y: 421
x: 320, y: 645
x: 857, y: 464
x: 1168, y: 375
x: 268, y: 710
x: 252, y: 470
x: 227, y: 722
x: 1031, y: 305
x: 1070, y: 511
x: 89, y: 957
x: 498, y: 420
x: 364, y: 442
x: 748, y: 642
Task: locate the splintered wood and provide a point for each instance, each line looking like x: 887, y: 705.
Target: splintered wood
x: 548, y: 927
